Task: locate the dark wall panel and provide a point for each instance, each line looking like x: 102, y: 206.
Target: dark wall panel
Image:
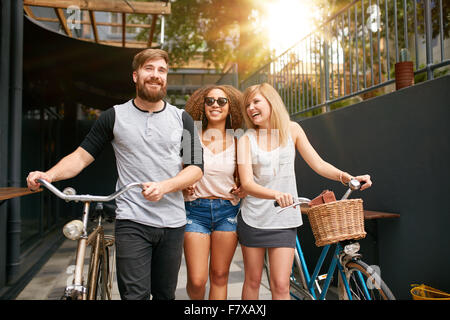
x: 402, y: 140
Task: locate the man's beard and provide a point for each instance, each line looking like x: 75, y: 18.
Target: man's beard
x: 151, y: 95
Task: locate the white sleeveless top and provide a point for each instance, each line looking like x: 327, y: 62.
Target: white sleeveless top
x: 274, y: 170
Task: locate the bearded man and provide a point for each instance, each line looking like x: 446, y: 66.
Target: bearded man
x: 155, y: 143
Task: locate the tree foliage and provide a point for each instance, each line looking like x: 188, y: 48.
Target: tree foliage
x: 220, y: 32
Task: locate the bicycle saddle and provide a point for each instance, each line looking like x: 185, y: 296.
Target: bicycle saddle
x: 104, y: 209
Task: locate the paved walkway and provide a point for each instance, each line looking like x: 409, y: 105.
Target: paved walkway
x: 50, y: 281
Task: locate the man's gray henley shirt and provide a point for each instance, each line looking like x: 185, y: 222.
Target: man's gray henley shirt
x: 149, y: 146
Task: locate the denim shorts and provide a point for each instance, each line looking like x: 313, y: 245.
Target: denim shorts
x: 208, y: 215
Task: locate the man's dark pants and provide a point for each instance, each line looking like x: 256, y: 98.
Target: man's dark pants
x: 148, y: 260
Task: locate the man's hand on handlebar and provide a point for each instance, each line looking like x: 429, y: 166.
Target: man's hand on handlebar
x: 32, y: 183
x: 153, y: 191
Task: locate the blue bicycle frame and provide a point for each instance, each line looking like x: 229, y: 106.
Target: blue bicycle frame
x: 310, y: 279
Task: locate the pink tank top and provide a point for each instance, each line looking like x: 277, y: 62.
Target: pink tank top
x: 218, y: 175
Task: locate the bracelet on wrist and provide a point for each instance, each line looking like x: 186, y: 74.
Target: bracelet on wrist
x: 341, y: 176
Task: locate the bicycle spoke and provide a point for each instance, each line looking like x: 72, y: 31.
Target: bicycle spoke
x: 365, y: 283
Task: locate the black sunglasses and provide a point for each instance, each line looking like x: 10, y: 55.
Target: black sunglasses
x: 220, y: 101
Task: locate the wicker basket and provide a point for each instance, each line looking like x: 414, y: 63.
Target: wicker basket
x: 336, y: 221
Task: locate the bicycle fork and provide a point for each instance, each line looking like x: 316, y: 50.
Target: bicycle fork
x: 77, y: 288
x: 96, y: 240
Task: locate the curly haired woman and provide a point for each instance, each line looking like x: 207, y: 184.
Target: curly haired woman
x: 213, y: 202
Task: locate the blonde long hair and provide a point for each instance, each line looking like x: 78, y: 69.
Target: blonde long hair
x: 279, y: 117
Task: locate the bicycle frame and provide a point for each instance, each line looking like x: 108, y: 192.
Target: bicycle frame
x: 83, y: 242
x: 310, y: 279
x: 96, y: 239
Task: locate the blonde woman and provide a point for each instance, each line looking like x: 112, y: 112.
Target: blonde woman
x: 266, y: 155
x: 213, y: 202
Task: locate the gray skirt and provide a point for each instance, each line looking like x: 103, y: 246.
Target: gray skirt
x: 265, y: 238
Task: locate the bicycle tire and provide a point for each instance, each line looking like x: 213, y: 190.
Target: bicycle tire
x: 298, y: 288
x: 101, y: 288
x: 377, y: 288
x: 96, y: 280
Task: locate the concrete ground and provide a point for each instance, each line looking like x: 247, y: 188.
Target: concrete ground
x: 50, y: 281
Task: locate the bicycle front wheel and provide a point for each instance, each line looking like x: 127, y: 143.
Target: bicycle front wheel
x: 102, y: 289
x: 365, y: 283
x: 298, y: 288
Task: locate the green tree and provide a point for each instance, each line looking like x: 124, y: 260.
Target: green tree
x: 221, y: 32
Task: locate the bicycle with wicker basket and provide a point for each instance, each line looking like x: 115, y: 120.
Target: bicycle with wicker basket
x: 339, y: 224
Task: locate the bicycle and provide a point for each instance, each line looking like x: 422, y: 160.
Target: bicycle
x: 356, y: 279
x: 101, y: 268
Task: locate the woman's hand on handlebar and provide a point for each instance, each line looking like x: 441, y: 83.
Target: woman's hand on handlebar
x: 284, y: 199
x: 365, y: 181
x: 32, y: 184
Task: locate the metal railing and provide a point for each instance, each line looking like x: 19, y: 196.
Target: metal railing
x: 354, y: 52
x: 230, y: 76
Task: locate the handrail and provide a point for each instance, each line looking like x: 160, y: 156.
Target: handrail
x: 354, y: 52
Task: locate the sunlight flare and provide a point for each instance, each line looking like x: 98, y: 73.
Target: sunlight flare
x: 287, y: 22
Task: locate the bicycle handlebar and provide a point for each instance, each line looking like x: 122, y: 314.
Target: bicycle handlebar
x: 87, y: 197
x: 352, y: 185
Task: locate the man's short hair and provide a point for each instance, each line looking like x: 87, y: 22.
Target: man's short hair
x: 148, y: 54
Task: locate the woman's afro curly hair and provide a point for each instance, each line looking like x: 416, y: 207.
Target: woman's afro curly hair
x: 195, y: 105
